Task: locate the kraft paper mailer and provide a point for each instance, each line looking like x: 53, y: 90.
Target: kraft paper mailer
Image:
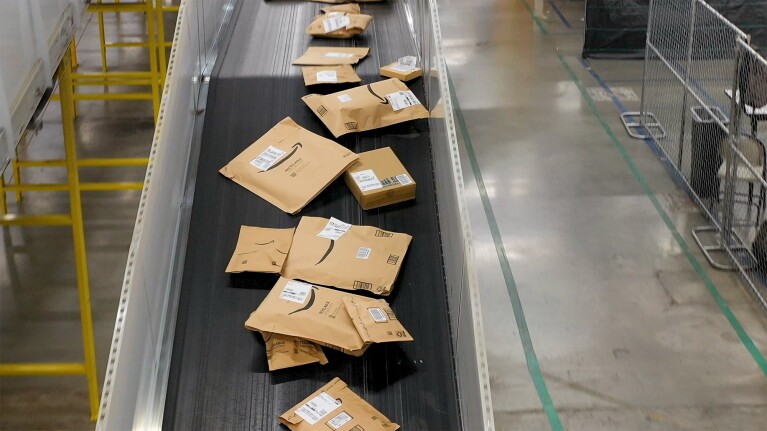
x: 334, y: 253
x: 327, y: 55
x: 260, y: 250
x: 375, y: 321
x: 336, y: 74
x: 284, y: 351
x: 336, y: 407
x: 310, y: 312
x: 338, y: 25
x: 289, y: 166
x: 348, y: 7
x: 367, y: 107
x: 346, y: 1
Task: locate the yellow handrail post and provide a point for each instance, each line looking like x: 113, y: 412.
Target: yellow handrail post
x: 78, y: 231
x: 102, y: 40
x: 153, y: 72
x: 17, y: 174
x: 3, y: 197
x: 161, y: 42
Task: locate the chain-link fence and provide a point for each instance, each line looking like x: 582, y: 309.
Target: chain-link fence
x: 697, y: 67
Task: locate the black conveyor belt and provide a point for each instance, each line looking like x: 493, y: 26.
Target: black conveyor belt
x: 219, y: 379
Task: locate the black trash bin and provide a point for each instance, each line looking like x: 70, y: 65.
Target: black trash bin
x: 706, y: 158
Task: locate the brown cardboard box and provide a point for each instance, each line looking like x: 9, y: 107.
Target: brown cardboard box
x: 366, y: 107
x: 335, y: 407
x: 336, y: 74
x: 319, y: 314
x: 326, y: 55
x: 260, y: 250
x: 349, y: 7
x: 403, y: 73
x: 284, y: 351
x: 334, y: 253
x: 338, y: 25
x: 289, y: 166
x: 378, y: 178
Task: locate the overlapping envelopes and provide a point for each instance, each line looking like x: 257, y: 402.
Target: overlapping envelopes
x: 348, y: 7
x: 260, y: 250
x: 285, y: 351
x: 367, y: 107
x: 336, y: 407
x: 335, y: 74
x: 320, y: 314
x: 289, y: 166
x: 328, y: 55
x: 334, y: 253
x: 338, y: 25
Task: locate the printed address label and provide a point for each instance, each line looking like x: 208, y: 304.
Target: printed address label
x: 334, y: 229
x: 327, y: 76
x: 317, y: 408
x: 366, y: 180
x: 402, y: 99
x: 267, y: 158
x: 295, y: 291
x: 335, y: 23
x: 338, y: 55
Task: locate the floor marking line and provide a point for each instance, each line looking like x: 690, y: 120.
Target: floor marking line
x: 533, y: 366
x: 538, y: 22
x: 559, y: 13
x: 710, y: 286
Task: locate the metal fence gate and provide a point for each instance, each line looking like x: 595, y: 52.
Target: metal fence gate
x: 704, y: 94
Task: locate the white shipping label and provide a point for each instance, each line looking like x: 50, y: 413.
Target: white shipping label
x: 295, y: 291
x: 339, y: 420
x: 378, y: 315
x: 333, y: 14
x: 338, y: 55
x: 363, y: 253
x: 327, y: 76
x: 266, y: 159
x: 404, y: 179
x: 367, y: 180
x: 407, y: 61
x: 402, y: 99
x: 317, y: 408
x: 344, y: 98
x: 334, y: 229
x: 335, y: 23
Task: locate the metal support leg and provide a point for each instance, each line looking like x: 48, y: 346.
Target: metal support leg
x: 78, y: 232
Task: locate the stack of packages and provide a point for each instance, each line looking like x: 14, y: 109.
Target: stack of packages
x: 321, y: 261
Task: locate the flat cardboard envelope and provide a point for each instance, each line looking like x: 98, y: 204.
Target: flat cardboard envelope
x: 336, y: 74
x: 348, y: 7
x: 366, y: 107
x: 260, y: 250
x: 310, y: 312
x: 338, y: 25
x: 336, y: 407
x: 327, y: 55
x: 284, y: 351
x: 289, y: 166
x: 360, y: 258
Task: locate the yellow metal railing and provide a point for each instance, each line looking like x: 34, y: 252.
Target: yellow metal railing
x: 73, y: 219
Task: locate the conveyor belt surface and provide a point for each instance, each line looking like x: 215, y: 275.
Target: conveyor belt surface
x: 219, y: 378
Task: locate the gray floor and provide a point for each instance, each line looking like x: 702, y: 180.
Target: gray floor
x: 626, y: 332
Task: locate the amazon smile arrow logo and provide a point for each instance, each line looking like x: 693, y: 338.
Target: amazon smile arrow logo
x: 296, y: 146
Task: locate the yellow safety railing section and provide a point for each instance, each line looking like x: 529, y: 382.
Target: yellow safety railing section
x: 74, y: 219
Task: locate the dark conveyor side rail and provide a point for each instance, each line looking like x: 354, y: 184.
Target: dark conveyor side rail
x: 219, y: 378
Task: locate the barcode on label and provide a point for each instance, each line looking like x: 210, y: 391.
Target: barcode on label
x: 404, y: 179
x: 339, y: 420
x: 402, y: 99
x: 295, y: 291
x: 334, y: 23
x: 267, y: 158
x: 317, y: 408
x: 378, y: 315
x: 363, y: 253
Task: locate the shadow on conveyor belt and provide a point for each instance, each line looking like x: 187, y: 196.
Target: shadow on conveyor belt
x: 219, y: 378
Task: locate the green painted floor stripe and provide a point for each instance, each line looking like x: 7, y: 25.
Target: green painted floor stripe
x: 538, y: 22
x: 710, y: 286
x: 533, y: 367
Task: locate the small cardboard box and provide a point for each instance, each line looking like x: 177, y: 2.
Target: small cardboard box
x: 378, y: 179
x: 403, y: 73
